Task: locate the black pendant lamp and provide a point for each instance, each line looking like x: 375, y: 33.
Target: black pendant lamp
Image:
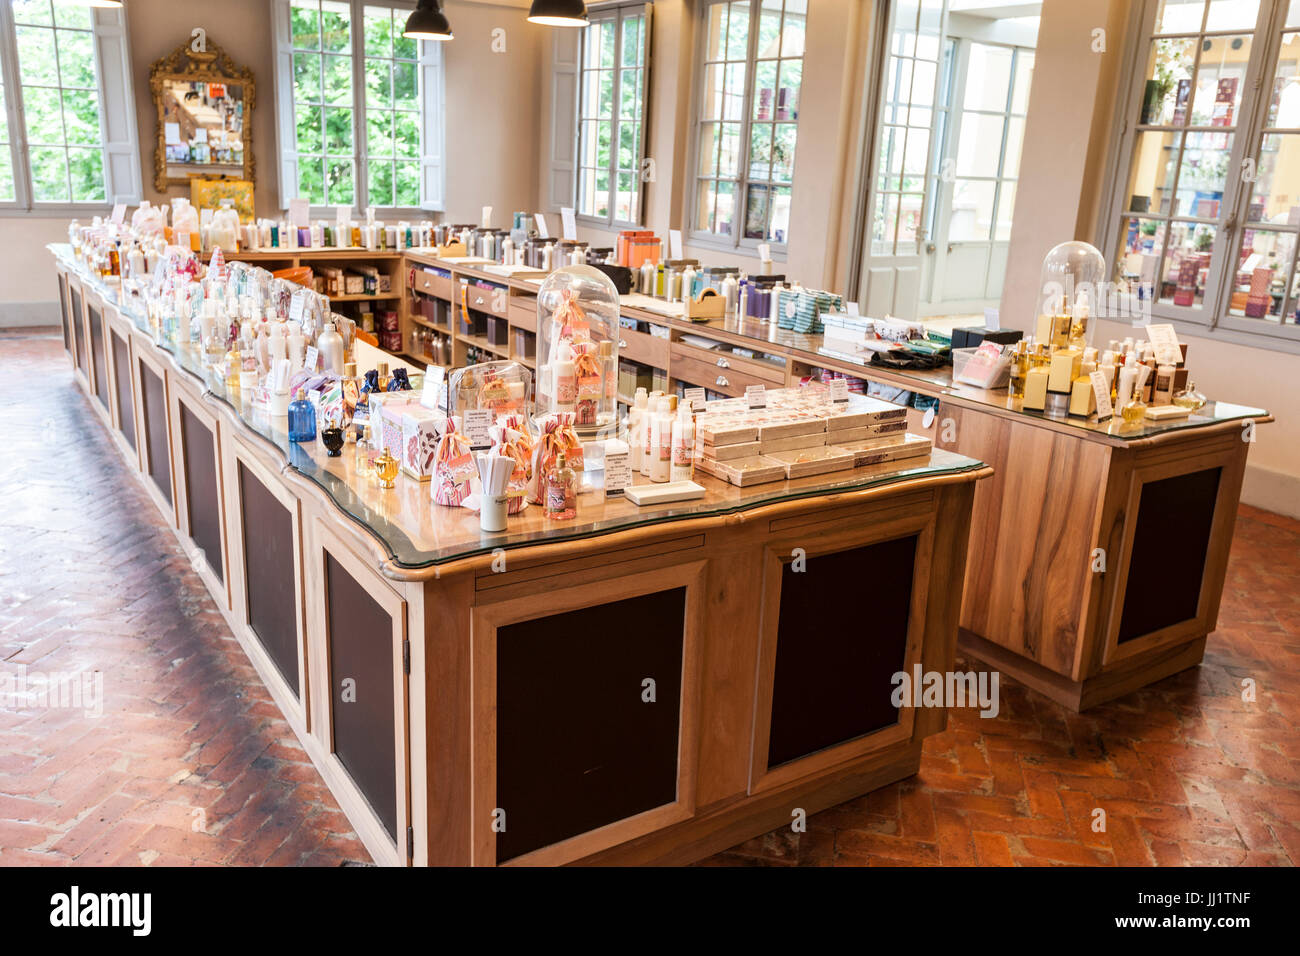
x: 427, y: 22
x: 558, y: 13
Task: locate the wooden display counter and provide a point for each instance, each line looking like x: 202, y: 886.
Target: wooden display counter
x: 640, y: 686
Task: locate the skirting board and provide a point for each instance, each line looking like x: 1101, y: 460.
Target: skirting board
x: 20, y: 315
x: 1271, y: 490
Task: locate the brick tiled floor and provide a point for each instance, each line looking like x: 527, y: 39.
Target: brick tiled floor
x: 90, y: 580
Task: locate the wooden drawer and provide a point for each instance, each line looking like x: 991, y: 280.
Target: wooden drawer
x: 523, y: 312
x: 493, y: 301
x: 431, y: 284
x: 759, y: 373
x: 728, y: 381
x: 643, y: 348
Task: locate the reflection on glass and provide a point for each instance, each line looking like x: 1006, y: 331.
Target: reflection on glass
x: 1203, y: 174
x: 1186, y: 264
x: 1220, y: 80
x: 1168, y: 90
x: 1274, y: 196
x: 1180, y: 16
x: 971, y: 217
x: 1260, y: 280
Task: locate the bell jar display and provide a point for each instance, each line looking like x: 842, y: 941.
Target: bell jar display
x: 577, y: 358
x: 1070, y: 288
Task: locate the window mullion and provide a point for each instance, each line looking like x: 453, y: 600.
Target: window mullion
x: 361, y: 149
x: 16, y: 118
x: 741, y: 206
x: 615, y: 130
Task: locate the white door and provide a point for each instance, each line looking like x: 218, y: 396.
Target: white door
x: 903, y: 166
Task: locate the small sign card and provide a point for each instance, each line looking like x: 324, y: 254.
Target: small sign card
x: 674, y: 244
x: 1165, y: 340
x: 618, y: 473
x: 299, y: 211
x: 992, y: 321
x: 296, y: 304
x: 695, y: 398
x: 839, y: 390
x: 119, y: 212
x: 486, y: 221
x: 568, y: 223
x: 431, y: 397
x: 542, y: 231
x: 756, y: 396
x: 764, y: 252
x: 311, y: 359
x: 1101, y: 393
x: 477, y: 421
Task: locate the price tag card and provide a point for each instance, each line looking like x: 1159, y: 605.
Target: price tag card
x: 1165, y: 340
x: 342, y: 213
x: 618, y: 474
x: 312, y: 358
x: 756, y: 396
x: 568, y: 223
x: 1101, y: 393
x: 299, y: 210
x: 695, y: 398
x: 540, y: 219
x: 764, y: 252
x: 853, y: 309
x: 296, y: 304
x: 486, y: 220
x: 477, y: 421
x: 839, y: 390
x: 119, y: 212
x: 431, y: 396
x: 674, y: 244
x: 992, y: 320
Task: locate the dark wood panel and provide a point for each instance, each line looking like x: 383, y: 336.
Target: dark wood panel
x: 1170, y: 545
x: 841, y: 636
x: 360, y: 639
x: 78, y: 331
x: 153, y: 408
x: 122, y: 383
x: 99, y: 355
x: 202, y: 495
x: 267, y: 529
x: 577, y: 746
x: 63, y: 313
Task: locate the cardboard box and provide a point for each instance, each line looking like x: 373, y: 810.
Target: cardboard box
x: 803, y: 462
x: 421, y: 429
x: 741, y: 472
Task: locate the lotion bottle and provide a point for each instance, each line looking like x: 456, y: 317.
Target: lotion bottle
x: 635, y: 425
x: 662, y: 441
x: 683, y: 445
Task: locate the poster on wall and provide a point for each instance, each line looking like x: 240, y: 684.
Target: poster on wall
x: 208, y: 193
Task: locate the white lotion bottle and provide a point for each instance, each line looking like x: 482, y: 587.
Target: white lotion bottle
x: 635, y: 424
x: 683, y: 444
x: 565, y: 376
x: 662, y: 440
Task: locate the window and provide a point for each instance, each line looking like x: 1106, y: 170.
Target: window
x: 749, y: 111
x: 611, y: 110
x: 65, y: 82
x: 1206, y: 205
x: 358, y: 105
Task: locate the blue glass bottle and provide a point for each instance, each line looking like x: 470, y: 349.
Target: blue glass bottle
x: 302, y: 418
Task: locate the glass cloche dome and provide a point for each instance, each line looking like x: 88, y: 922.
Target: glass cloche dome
x: 577, y: 346
x: 1070, y: 288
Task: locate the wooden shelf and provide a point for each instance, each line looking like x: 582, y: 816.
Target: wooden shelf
x: 420, y: 320
x: 481, y: 342
x: 381, y: 297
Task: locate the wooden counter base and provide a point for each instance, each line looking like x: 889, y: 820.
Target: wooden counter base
x: 650, y: 695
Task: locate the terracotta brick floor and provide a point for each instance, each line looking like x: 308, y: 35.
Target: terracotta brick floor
x: 191, y: 763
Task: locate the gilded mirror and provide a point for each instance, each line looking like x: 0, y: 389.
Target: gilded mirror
x: 205, y: 117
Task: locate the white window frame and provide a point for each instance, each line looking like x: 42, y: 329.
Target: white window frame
x: 736, y: 242
x: 618, y: 14
x: 117, y: 123
x: 1211, y: 318
x: 432, y: 115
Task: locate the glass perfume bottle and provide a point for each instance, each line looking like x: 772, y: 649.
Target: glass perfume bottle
x: 365, y: 456
x: 234, y: 366
x: 1019, y: 366
x: 1189, y: 398
x: 302, y: 418
x: 561, y: 491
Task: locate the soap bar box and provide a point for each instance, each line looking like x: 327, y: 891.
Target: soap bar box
x: 742, y: 472
x: 421, y: 429
x: 877, y: 451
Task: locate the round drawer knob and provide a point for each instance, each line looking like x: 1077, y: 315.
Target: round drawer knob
x: 723, y: 363
x: 622, y: 343
x: 722, y: 381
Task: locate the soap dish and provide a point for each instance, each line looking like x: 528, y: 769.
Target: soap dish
x: 664, y: 492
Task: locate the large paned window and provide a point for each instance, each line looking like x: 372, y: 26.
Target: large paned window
x: 750, y: 83
x: 1206, y: 208
x: 359, y: 106
x: 611, y: 111
x: 64, y: 83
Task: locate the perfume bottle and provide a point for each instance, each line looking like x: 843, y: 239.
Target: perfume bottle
x: 302, y: 418
x: 1019, y: 366
x: 364, y: 465
x: 1189, y: 398
x: 561, y: 491
x: 386, y: 470
x: 234, y: 367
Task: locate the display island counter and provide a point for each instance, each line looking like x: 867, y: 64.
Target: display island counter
x: 636, y: 686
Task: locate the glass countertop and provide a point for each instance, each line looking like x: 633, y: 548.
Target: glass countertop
x: 416, y: 533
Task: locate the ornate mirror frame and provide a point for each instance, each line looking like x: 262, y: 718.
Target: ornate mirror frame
x: 211, y: 65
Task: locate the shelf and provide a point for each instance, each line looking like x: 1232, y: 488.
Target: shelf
x: 381, y: 297
x: 421, y: 321
x: 480, y: 341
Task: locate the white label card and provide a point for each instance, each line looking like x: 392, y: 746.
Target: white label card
x: 342, y: 213
x: 992, y: 321
x: 1101, y: 392
x: 695, y: 398
x: 853, y: 309
x: 299, y: 211
x: 618, y: 473
x: 119, y: 212
x: 477, y: 421
x: 312, y: 357
x: 756, y: 396
x: 431, y: 396
x: 542, y: 231
x: 1165, y: 340
x: 764, y: 252
x: 296, y: 304
x: 486, y: 220
x: 568, y: 223
x: 839, y: 390
x: 674, y: 244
